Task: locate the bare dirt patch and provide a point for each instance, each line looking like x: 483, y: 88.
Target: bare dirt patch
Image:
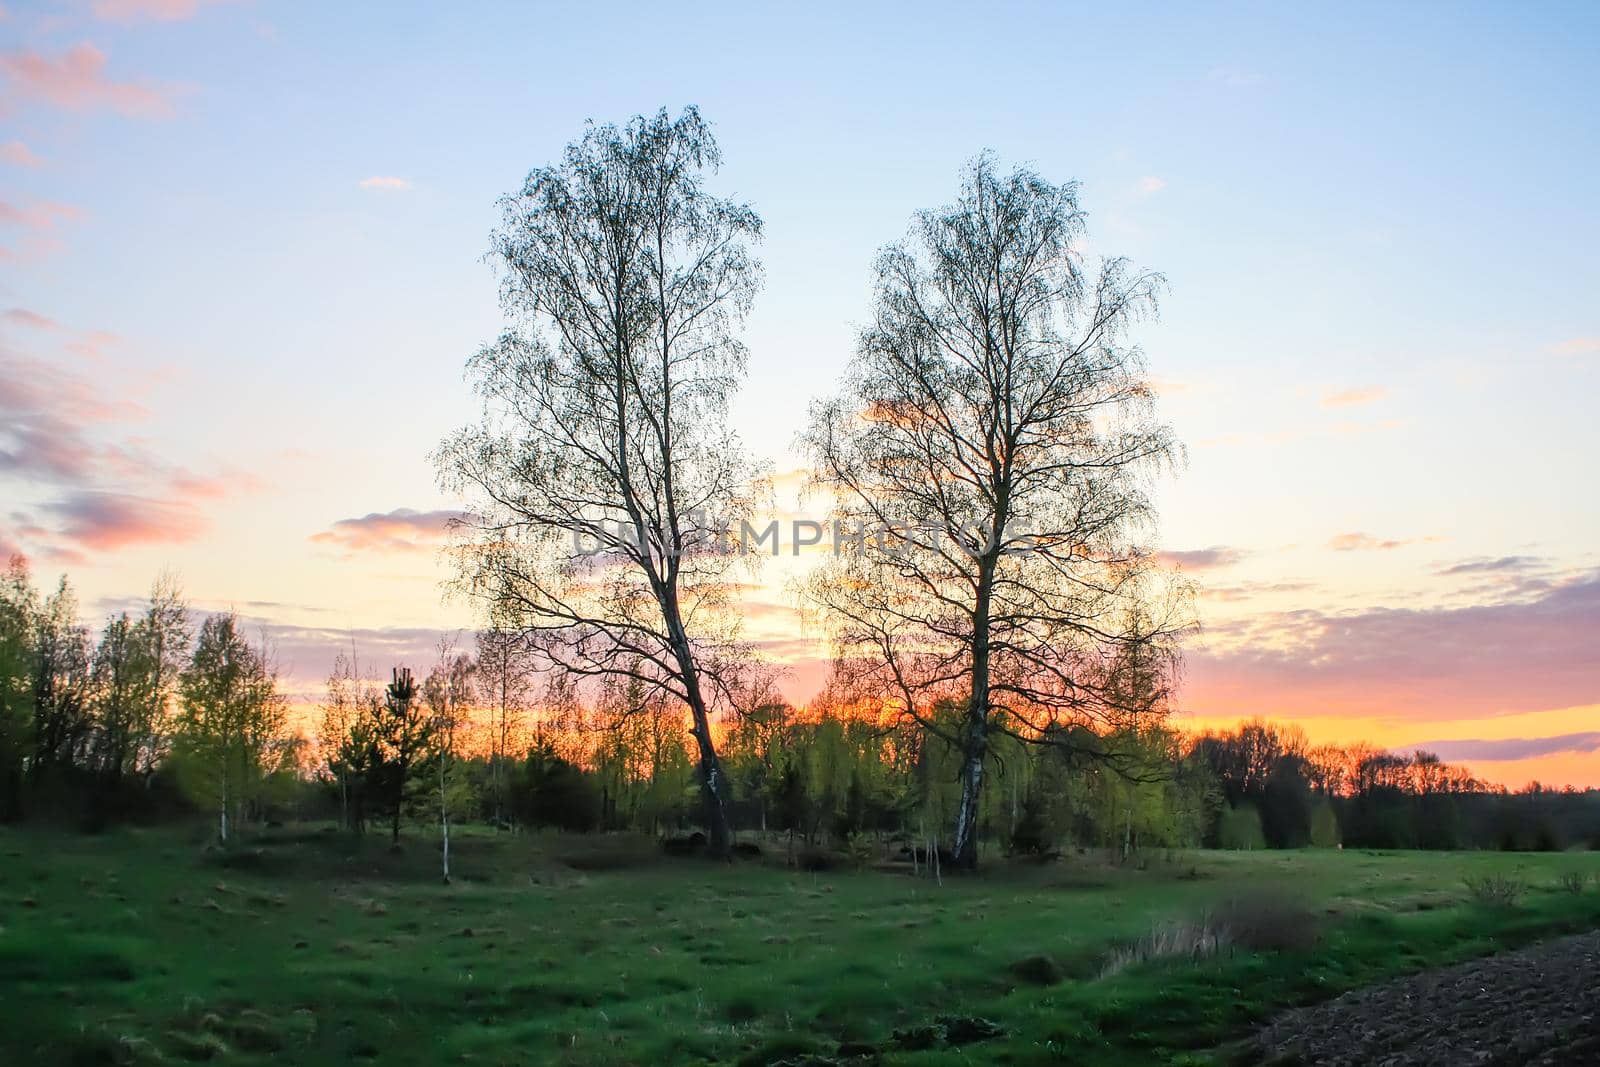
x: 1539, y: 1006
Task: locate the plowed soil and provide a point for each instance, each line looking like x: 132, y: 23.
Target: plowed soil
x: 1538, y: 1006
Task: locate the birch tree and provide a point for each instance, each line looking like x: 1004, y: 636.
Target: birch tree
x: 603, y: 466
x: 116, y: 675
x: 343, y: 733
x: 63, y: 723
x: 505, y: 671
x: 230, y: 719
x: 19, y: 606
x: 449, y: 692
x: 162, y: 636
x: 997, y: 420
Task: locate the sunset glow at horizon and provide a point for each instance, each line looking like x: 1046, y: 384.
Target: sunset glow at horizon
x: 242, y: 267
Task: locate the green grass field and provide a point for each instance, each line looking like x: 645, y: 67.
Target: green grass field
x: 308, y: 947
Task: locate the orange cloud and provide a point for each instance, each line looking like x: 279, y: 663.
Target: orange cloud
x: 1349, y: 398
x: 76, y: 80
x: 1577, y: 346
x: 1360, y: 542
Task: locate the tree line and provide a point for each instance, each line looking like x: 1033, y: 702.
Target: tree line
x: 160, y: 717
x: 155, y: 712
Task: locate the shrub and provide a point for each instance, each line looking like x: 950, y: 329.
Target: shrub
x: 1240, y: 828
x: 1495, y: 890
x: 1037, y: 970
x: 1266, y: 922
x: 858, y: 850
x: 1324, y: 826
x: 1574, y: 881
x: 814, y: 859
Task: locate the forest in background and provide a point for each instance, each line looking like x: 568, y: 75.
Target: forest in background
x: 171, y: 715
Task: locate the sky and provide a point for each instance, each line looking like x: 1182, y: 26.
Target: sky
x: 242, y: 264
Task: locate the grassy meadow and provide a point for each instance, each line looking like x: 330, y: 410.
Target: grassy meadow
x: 305, y: 946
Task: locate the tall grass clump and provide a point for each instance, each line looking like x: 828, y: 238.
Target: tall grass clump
x: 1573, y: 881
x: 1257, y: 923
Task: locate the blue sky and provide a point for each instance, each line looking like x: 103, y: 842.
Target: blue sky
x: 1381, y: 343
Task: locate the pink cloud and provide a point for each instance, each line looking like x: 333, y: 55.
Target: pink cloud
x: 92, y: 344
x: 154, y: 10
x: 304, y: 653
x: 1202, y: 559
x: 39, y: 215
x: 60, y: 429
x: 106, y: 521
x: 1524, y: 653
x: 47, y: 416
x: 391, y: 184
x: 30, y: 250
x: 215, y: 486
x: 18, y: 154
x: 400, y: 530
x: 76, y: 80
x: 31, y: 319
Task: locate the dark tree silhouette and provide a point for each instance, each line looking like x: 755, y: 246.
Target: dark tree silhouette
x: 996, y: 415
x: 603, y: 468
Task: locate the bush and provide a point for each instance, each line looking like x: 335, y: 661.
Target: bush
x: 1495, y: 890
x: 1265, y: 922
x: 1324, y: 826
x: 858, y: 850
x: 1037, y: 970
x: 1240, y: 828
x: 814, y: 859
x: 1574, y: 881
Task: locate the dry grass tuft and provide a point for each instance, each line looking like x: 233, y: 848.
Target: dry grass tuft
x: 1257, y: 923
x: 1173, y: 940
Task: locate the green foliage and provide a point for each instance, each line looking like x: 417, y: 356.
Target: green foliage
x: 18, y: 607
x: 1240, y: 828
x: 229, y: 726
x: 1324, y: 825
x: 397, y: 734
x: 549, y: 791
